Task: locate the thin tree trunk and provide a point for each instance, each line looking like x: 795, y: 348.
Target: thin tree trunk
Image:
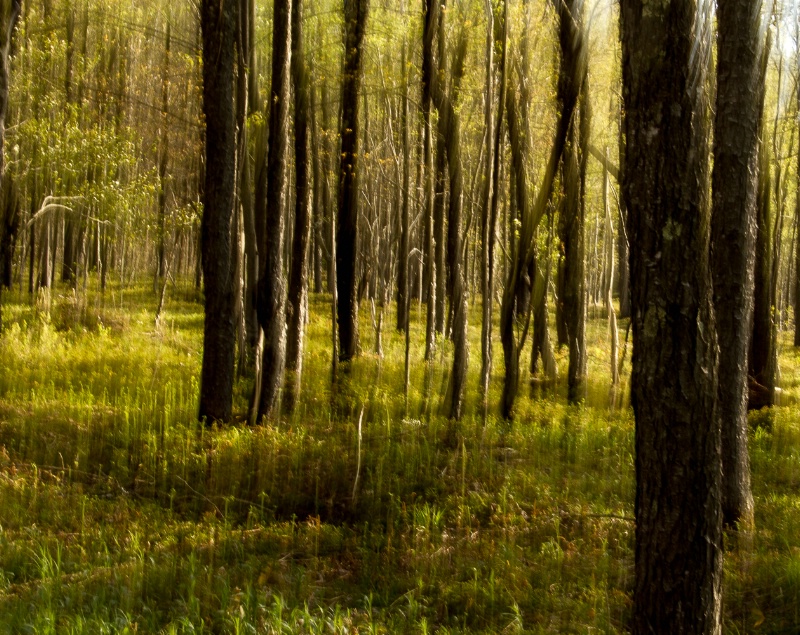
x: 430, y: 227
x: 271, y: 285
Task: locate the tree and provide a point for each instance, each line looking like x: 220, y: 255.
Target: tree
x: 494, y: 132
x: 428, y: 35
x: 573, y: 86
x: 271, y: 285
x: 9, y: 14
x: 218, y: 21
x: 298, y: 281
x: 678, y: 560
x: 740, y: 87
x: 355, y: 20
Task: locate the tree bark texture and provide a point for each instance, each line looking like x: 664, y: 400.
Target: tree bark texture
x: 450, y: 132
x: 298, y: 281
x: 219, y: 23
x: 678, y: 559
x: 271, y: 286
x: 740, y: 86
x: 355, y: 20
x: 428, y: 34
x: 402, y: 268
x: 572, y: 86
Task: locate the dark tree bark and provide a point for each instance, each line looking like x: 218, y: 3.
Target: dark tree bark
x: 402, y: 268
x: 298, y: 281
x: 163, y: 160
x: 271, y: 285
x: 246, y: 199
x: 740, y: 86
x: 512, y: 312
x: 318, y: 205
x: 450, y: 132
x: 428, y: 35
x: 572, y: 86
x: 494, y: 136
x: 678, y: 560
x: 761, y: 344
x: 623, y: 246
x: 219, y: 23
x: 355, y: 20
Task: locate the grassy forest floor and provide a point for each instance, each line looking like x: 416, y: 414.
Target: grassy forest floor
x: 119, y: 513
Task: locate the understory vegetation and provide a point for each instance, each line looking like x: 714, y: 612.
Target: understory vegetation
x: 120, y: 513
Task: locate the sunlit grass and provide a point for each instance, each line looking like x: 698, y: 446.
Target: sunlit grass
x: 119, y: 512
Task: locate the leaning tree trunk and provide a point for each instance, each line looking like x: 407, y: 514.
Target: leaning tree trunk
x: 298, y: 281
x: 740, y: 86
x: 219, y: 23
x: 271, y: 286
x: 355, y: 20
x: 518, y: 275
x: 678, y: 559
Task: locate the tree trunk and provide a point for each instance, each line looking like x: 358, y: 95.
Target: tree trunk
x: 450, y: 131
x: 518, y: 275
x: 271, y: 286
x: 761, y: 344
x: 402, y: 270
x: 678, y: 560
x: 355, y: 19
x: 494, y: 134
x: 298, y: 281
x: 163, y: 159
x: 572, y: 85
x: 740, y: 86
x: 218, y: 22
x: 428, y: 34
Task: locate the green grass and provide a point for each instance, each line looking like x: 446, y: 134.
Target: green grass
x: 119, y: 513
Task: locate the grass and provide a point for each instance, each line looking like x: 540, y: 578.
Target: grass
x: 119, y: 513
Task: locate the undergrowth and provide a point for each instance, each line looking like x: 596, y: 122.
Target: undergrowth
x: 361, y: 511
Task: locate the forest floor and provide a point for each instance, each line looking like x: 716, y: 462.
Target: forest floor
x: 120, y: 513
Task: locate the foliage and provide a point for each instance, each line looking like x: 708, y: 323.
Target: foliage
x: 120, y: 513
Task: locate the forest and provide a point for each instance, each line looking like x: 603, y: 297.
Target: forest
x: 381, y: 316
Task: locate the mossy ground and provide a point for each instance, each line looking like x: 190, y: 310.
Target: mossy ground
x: 120, y: 513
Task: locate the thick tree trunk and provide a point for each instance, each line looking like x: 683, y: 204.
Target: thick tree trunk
x: 219, y: 23
x: 298, y: 281
x: 271, y: 285
x: 355, y: 20
x: 678, y: 560
x: 740, y: 86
